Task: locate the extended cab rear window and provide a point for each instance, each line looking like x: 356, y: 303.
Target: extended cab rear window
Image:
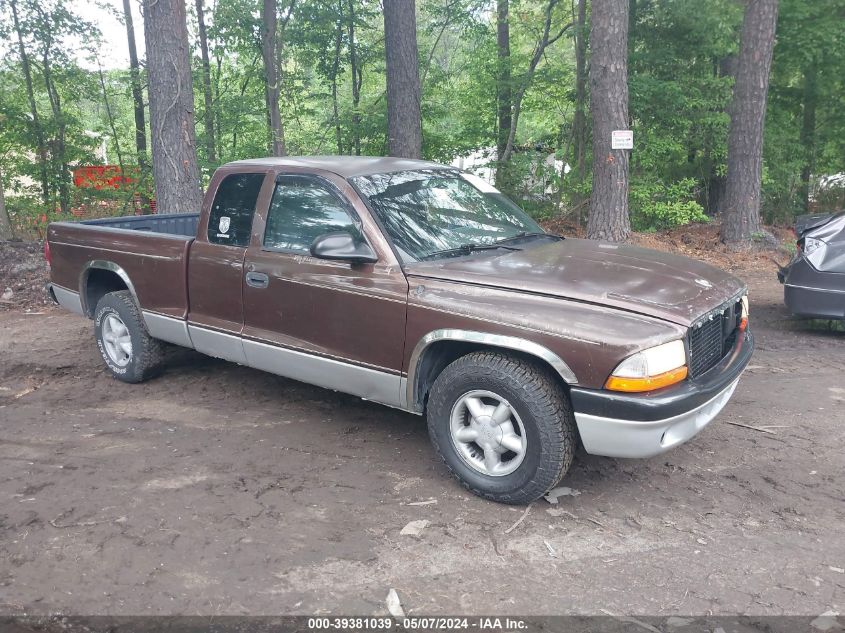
x: 230, y: 220
x: 304, y: 208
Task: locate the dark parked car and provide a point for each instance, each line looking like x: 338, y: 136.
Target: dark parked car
x: 420, y: 287
x: 814, y: 281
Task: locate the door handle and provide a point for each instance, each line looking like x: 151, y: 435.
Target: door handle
x: 257, y: 280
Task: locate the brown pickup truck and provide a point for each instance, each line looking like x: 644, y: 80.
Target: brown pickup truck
x: 415, y: 285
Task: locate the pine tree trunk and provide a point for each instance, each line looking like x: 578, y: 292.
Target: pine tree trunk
x: 404, y: 125
x: 741, y: 206
x: 208, y: 114
x: 269, y: 43
x: 175, y: 170
x: 6, y: 232
x: 609, y: 106
x: 504, y: 92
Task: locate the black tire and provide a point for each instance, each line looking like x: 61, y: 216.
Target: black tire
x: 538, y: 400
x: 146, y: 355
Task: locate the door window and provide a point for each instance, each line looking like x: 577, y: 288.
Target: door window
x: 230, y: 220
x: 302, y: 209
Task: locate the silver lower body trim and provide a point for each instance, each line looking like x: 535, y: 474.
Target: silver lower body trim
x: 68, y: 299
x: 168, y: 329
x: 363, y: 382
x: 613, y: 437
x: 218, y: 344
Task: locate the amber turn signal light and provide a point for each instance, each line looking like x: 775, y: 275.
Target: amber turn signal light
x: 631, y: 385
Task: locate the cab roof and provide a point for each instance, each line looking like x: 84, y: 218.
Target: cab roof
x: 345, y: 166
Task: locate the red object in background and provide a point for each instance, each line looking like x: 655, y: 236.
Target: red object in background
x: 104, y: 177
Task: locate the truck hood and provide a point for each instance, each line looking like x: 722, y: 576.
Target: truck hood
x: 654, y: 283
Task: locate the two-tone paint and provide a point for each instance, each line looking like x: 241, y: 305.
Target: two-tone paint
x: 384, y: 330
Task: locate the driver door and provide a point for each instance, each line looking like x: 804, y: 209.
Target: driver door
x: 320, y: 321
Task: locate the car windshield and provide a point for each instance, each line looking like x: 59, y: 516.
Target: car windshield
x: 434, y: 213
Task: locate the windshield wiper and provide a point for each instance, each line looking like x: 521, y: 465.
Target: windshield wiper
x: 466, y: 249
x: 524, y: 234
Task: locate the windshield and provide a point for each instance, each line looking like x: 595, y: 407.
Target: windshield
x: 428, y: 213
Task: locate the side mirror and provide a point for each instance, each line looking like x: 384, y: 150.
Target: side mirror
x: 342, y: 246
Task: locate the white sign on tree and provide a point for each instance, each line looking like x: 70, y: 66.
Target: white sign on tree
x: 622, y: 139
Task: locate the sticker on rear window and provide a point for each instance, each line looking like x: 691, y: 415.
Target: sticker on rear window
x: 223, y: 227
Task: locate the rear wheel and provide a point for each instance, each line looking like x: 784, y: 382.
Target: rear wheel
x: 502, y: 425
x: 129, y: 351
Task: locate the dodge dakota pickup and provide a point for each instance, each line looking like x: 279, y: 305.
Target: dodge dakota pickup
x: 421, y: 287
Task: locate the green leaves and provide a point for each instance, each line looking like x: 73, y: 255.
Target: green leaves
x: 657, y: 206
x: 679, y: 77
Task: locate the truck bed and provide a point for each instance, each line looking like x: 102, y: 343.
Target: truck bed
x: 151, y: 250
x: 169, y: 224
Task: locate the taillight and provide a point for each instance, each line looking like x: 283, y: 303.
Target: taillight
x: 47, y: 255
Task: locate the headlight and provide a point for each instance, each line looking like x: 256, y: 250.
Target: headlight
x: 815, y: 250
x: 650, y: 369
x: 811, y: 244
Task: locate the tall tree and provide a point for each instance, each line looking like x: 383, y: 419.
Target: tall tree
x: 520, y: 86
x: 111, y: 118
x: 137, y: 101
x: 208, y: 112
x: 609, y: 106
x: 6, y: 232
x: 741, y: 206
x: 46, y: 24
x: 404, y: 121
x: 504, y: 101
x: 269, y: 44
x: 37, y: 127
x: 334, y: 72
x: 715, y: 173
x: 808, y: 129
x: 177, y: 178
x: 579, y: 122
x: 357, y: 78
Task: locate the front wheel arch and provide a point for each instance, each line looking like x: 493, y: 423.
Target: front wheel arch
x: 438, y: 349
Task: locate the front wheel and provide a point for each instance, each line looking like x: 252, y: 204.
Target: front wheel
x: 130, y: 353
x: 502, y: 425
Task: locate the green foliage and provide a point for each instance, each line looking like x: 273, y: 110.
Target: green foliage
x: 810, y: 44
x: 680, y: 87
x: 655, y: 206
x: 679, y: 92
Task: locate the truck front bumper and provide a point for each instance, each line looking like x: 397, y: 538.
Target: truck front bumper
x: 642, y: 425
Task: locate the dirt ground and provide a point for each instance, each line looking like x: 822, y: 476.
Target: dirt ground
x: 23, y: 273
x: 217, y: 489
